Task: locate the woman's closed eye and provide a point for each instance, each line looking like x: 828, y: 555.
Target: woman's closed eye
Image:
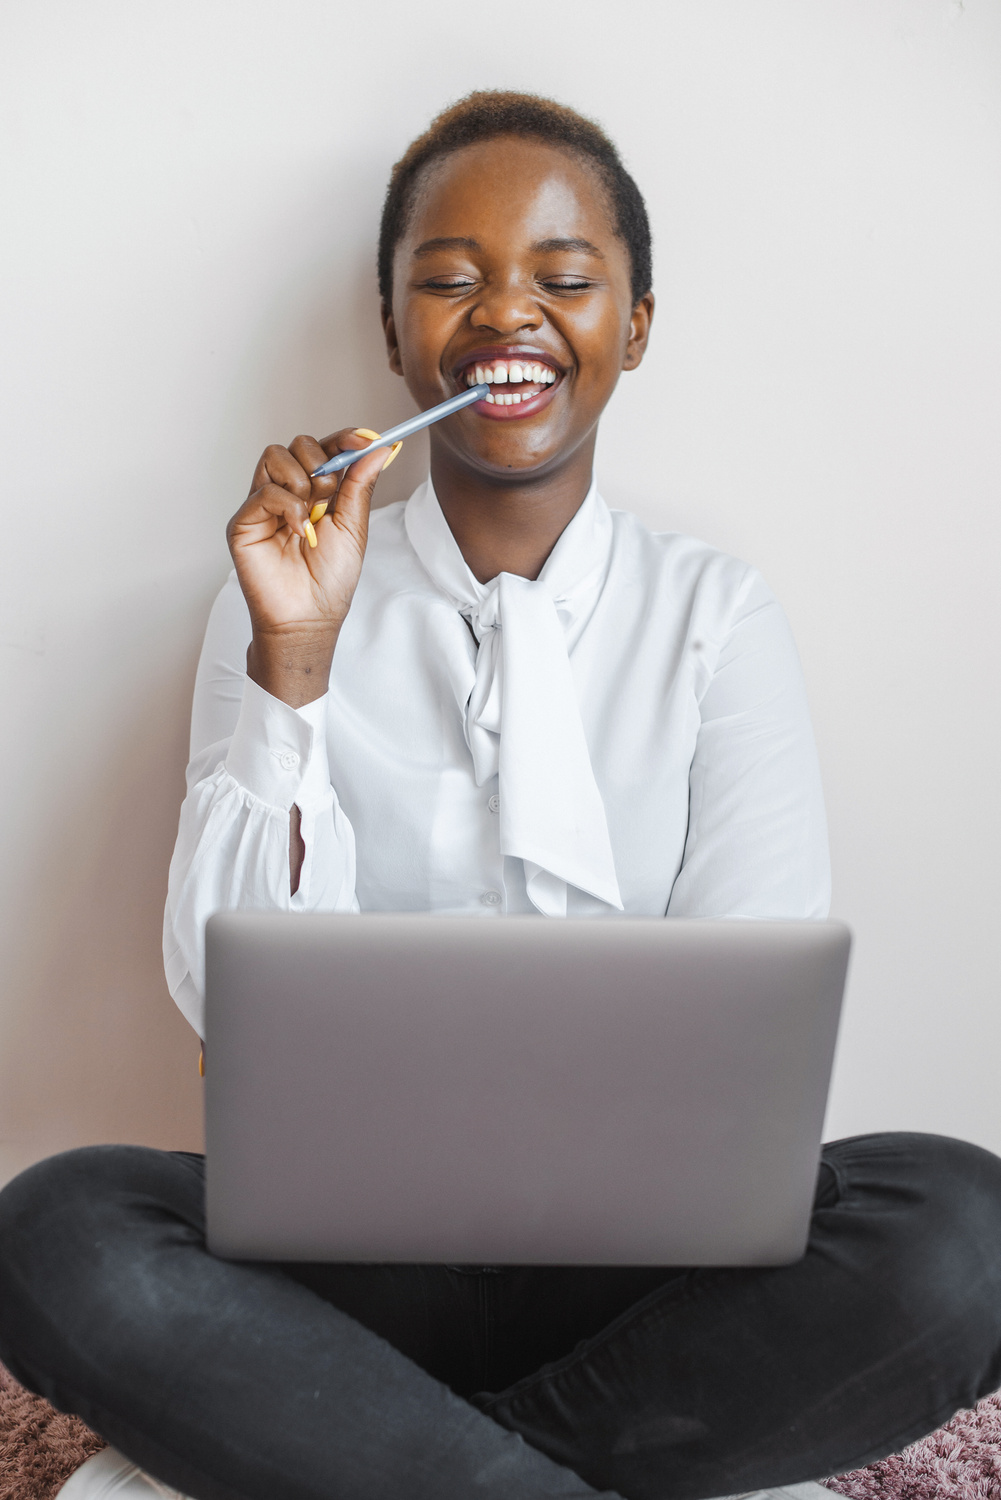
x: 448, y: 284
x: 549, y: 283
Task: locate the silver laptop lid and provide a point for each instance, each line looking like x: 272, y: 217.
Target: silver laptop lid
x: 447, y: 1089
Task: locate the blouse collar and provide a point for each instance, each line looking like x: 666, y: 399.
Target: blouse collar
x: 577, y: 564
x: 522, y: 717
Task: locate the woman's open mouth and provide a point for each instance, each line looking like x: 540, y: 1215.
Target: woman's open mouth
x: 521, y: 383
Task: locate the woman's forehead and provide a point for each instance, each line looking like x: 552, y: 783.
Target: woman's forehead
x: 523, y: 190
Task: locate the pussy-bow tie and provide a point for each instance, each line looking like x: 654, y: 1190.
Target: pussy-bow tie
x: 522, y: 717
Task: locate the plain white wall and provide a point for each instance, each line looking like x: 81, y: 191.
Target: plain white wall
x: 191, y: 200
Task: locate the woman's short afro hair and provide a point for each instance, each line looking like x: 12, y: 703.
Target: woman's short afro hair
x: 493, y: 112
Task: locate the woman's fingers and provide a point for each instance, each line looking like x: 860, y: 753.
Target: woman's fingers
x: 278, y: 465
x: 325, y: 488
x: 265, y: 511
x: 283, y: 488
x: 309, y: 456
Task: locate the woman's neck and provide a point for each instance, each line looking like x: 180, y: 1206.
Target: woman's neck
x: 505, y: 526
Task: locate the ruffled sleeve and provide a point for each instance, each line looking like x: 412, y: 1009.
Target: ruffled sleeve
x: 252, y: 759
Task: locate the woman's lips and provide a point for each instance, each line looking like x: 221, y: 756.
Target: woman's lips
x: 526, y: 407
x: 521, y: 385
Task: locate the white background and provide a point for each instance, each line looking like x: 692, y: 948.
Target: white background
x: 191, y: 199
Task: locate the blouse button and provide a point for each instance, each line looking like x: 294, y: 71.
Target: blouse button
x: 491, y: 898
x: 494, y: 803
x: 289, y: 760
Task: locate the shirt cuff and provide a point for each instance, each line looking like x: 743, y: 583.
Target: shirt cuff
x: 279, y: 753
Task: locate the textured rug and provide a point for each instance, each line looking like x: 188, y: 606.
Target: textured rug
x: 41, y: 1447
x: 961, y: 1461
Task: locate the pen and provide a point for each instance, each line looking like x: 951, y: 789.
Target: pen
x: 413, y: 424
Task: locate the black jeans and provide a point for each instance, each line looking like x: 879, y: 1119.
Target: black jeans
x: 235, y: 1381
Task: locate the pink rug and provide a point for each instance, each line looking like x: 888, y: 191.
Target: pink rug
x: 41, y: 1447
x: 961, y: 1461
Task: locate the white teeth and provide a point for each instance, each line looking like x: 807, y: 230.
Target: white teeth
x: 489, y: 397
x: 515, y: 398
x: 516, y: 372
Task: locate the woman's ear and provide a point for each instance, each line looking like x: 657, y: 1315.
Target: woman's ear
x: 392, y: 345
x: 639, y: 331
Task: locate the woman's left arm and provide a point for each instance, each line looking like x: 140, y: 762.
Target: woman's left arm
x: 757, y: 832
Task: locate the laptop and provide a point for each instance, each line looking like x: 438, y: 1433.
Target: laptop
x: 424, y: 1088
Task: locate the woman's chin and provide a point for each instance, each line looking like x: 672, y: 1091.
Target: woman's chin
x: 516, y: 462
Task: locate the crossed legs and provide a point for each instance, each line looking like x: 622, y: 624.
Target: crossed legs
x: 236, y: 1381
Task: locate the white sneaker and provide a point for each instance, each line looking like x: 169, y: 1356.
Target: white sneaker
x: 107, y: 1474
x: 808, y: 1490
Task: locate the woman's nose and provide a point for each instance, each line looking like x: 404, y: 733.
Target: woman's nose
x: 506, y: 309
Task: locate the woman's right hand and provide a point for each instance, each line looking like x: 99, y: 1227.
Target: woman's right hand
x: 298, y: 593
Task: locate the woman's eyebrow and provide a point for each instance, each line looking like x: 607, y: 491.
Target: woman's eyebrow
x: 447, y: 242
x: 541, y: 247
x: 544, y: 247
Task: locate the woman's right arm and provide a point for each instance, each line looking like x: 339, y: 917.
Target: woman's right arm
x: 261, y: 826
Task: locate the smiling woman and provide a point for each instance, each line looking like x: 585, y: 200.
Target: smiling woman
x: 500, y: 696
x: 510, y: 260
x: 515, y: 248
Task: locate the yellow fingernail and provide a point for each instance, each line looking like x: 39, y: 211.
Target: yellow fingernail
x: 310, y: 533
x: 319, y: 510
x: 392, y: 454
x: 366, y: 432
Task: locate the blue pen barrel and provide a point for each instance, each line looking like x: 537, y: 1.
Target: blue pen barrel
x: 404, y: 429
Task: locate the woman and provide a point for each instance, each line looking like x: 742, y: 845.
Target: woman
x: 499, y: 697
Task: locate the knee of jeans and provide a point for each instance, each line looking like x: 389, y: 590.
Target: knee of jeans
x: 936, y: 1202
x: 955, y: 1184
x: 70, y: 1228
x: 60, y: 1208
x: 964, y: 1195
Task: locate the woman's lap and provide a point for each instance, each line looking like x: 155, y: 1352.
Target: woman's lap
x: 642, y: 1381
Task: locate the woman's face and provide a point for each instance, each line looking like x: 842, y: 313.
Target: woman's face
x: 510, y: 268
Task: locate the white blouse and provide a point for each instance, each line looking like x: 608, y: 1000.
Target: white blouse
x: 628, y: 733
